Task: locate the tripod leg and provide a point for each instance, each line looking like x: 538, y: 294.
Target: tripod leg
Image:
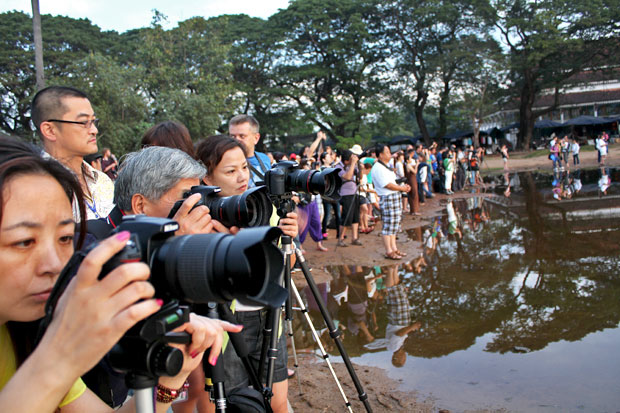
x: 216, y: 372
x: 317, y: 339
x: 333, y: 331
x: 288, y: 312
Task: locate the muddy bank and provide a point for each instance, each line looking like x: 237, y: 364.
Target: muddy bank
x: 320, y: 392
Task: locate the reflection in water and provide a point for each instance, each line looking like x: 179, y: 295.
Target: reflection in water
x: 519, y: 273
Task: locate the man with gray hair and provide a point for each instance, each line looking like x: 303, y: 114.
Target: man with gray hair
x: 152, y: 180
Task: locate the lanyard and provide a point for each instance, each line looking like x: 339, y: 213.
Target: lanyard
x: 93, y: 208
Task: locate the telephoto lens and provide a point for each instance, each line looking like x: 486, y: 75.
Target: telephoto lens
x: 201, y: 268
x: 285, y: 177
x: 250, y: 209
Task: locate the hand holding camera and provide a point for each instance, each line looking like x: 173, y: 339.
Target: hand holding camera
x: 103, y: 309
x: 195, y: 219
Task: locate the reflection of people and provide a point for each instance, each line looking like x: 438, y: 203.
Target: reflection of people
x: 453, y: 223
x: 400, y: 324
x: 604, y: 182
x: 91, y: 315
x: 357, y: 303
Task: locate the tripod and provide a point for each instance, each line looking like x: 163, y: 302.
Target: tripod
x: 333, y: 332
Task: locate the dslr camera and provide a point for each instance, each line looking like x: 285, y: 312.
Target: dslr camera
x: 285, y: 177
x: 250, y: 209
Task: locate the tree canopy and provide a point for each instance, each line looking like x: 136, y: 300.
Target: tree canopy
x: 357, y: 69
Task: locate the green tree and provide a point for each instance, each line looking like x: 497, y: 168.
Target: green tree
x: 549, y: 41
x: 330, y: 66
x: 66, y: 41
x: 186, y: 76
x: 431, y: 43
x: 113, y: 91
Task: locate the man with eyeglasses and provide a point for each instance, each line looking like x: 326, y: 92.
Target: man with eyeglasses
x: 66, y: 123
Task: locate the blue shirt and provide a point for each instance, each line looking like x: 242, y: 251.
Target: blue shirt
x: 253, y: 160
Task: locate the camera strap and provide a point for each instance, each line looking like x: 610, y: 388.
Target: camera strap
x: 261, y: 175
x: 59, y: 288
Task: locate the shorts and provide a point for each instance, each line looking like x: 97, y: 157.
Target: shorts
x: 350, y: 210
x: 235, y: 373
x: 391, y: 213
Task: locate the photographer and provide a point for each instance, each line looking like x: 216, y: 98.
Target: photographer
x: 152, y: 180
x: 384, y: 179
x: 227, y: 167
x: 348, y: 197
x: 91, y: 315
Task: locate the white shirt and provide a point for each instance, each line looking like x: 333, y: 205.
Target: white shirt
x: 382, y: 176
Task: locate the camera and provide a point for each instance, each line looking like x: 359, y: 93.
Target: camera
x: 284, y: 177
x: 204, y: 268
x: 250, y: 209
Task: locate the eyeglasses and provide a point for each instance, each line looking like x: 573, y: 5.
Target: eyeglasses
x: 86, y: 124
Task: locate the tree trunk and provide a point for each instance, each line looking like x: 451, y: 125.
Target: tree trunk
x: 443, y: 105
x: 419, y: 116
x: 475, y: 122
x: 38, y: 45
x: 526, y: 115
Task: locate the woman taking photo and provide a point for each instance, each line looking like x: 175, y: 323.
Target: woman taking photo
x: 91, y: 315
x: 227, y: 167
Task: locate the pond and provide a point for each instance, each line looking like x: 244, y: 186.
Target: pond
x: 514, y: 303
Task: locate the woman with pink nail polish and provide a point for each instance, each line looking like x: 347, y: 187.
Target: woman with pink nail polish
x: 36, y: 241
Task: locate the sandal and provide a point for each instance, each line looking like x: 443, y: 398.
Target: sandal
x: 392, y: 256
x: 402, y: 254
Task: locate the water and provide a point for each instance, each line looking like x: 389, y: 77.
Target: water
x: 517, y: 296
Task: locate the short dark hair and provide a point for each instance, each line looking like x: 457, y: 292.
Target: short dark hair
x: 239, y: 119
x: 379, y: 148
x: 211, y: 150
x: 346, y: 155
x: 170, y: 134
x: 48, y: 103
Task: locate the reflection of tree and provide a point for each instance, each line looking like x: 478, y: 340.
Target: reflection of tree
x: 461, y: 299
x: 528, y: 283
x: 566, y: 305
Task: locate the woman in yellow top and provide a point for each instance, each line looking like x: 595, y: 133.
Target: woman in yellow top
x: 36, y: 241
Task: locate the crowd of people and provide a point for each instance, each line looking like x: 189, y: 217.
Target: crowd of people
x: 379, y: 185
x: 83, y: 191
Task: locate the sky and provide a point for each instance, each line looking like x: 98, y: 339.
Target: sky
x: 122, y: 15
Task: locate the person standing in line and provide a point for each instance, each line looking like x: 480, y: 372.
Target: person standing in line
x: 565, y: 144
x: 348, y: 197
x: 504, y: 152
x: 411, y: 172
x: 554, y: 153
x: 575, y: 149
x: 448, y: 164
x: 109, y: 164
x: 389, y: 191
